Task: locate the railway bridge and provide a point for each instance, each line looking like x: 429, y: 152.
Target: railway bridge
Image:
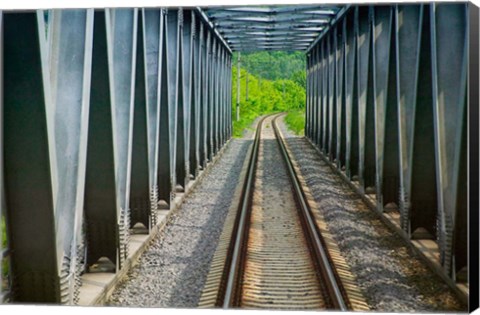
x: 109, y: 115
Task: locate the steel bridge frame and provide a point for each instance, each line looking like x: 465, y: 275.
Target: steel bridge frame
x: 104, y: 113
x: 387, y: 95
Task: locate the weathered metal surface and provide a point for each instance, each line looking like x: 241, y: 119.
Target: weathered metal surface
x: 55, y: 183
x: 140, y: 182
x: 100, y: 201
x: 340, y: 98
x: 350, y: 83
x: 97, y: 117
x: 401, y: 114
x: 283, y: 25
x: 182, y: 92
x: 195, y: 104
x: 152, y: 19
x: 385, y: 104
x: 408, y: 24
x: 165, y: 183
x: 448, y: 29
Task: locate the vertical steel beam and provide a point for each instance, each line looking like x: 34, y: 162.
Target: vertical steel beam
x: 384, y: 85
x: 308, y: 100
x: 391, y: 156
x: 319, y: 84
x: 229, y: 95
x: 408, y: 24
x: 181, y: 64
x: 423, y: 199
x: 52, y: 167
x: 210, y: 98
x: 27, y: 160
x: 473, y: 158
x: 449, y: 72
x: 366, y: 108
x: 70, y: 57
x: 100, y: 201
x: 223, y: 98
x: 122, y: 42
x: 152, y: 19
x: 315, y: 95
x: 165, y: 177
x: 325, y: 96
x: 173, y: 75
x: 168, y: 105
x: 220, y: 98
x: 238, y: 86
x: 215, y: 94
x: 340, y: 71
x: 332, y: 133
x: 187, y: 47
x: 140, y: 186
x: 350, y: 84
x: 206, y: 107
x: 230, y: 99
x: 195, y: 99
x: 203, y: 97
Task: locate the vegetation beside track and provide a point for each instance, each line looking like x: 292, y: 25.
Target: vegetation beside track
x: 276, y: 83
x: 295, y: 120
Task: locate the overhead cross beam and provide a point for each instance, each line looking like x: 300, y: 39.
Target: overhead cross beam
x: 248, y: 27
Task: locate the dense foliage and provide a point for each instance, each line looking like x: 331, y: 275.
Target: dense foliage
x: 295, y: 120
x: 276, y: 83
x: 274, y: 65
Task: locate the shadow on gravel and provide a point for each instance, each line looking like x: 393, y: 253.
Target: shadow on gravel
x: 216, y: 219
x: 392, y: 277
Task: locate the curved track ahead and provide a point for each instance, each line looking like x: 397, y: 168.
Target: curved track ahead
x: 277, y: 259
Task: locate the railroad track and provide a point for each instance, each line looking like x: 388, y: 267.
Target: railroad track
x: 276, y: 257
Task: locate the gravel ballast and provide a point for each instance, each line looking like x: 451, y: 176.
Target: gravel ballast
x: 172, y: 271
x: 390, y: 274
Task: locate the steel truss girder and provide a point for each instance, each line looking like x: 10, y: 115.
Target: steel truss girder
x: 91, y: 118
x: 183, y: 94
x: 203, y: 94
x: 232, y: 34
x: 122, y: 39
x: 248, y: 35
x: 47, y: 174
x: 140, y: 188
x: 449, y: 32
x: 272, y: 10
x: 273, y: 27
x: 194, y: 156
x: 272, y: 16
x: 151, y: 23
x: 240, y: 46
x: 272, y: 21
x: 270, y: 40
x: 252, y: 48
x: 209, y: 26
x: 389, y: 83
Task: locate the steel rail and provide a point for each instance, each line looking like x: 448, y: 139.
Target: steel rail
x: 241, y: 227
x: 233, y: 274
x: 327, y: 272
